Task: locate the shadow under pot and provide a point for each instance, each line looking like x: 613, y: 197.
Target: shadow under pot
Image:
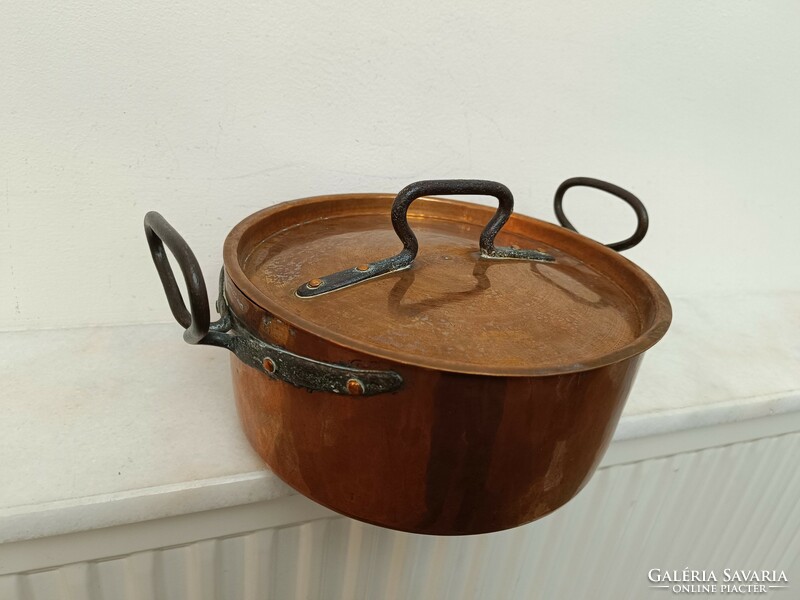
x: 452, y: 388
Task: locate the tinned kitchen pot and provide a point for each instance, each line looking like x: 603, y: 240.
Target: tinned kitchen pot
x: 469, y: 383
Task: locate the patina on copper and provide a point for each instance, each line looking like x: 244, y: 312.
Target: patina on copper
x: 514, y: 372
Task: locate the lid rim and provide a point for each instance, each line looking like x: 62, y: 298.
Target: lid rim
x: 662, y: 311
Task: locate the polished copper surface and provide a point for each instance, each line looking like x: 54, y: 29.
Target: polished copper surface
x: 450, y: 454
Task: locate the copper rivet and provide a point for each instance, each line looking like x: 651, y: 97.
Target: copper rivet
x: 362, y: 268
x: 314, y: 283
x: 355, y: 387
x: 269, y: 365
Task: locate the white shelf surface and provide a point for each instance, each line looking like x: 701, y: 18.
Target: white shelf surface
x: 113, y: 425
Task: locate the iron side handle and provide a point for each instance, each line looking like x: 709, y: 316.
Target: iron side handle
x: 228, y: 332
x: 642, y: 220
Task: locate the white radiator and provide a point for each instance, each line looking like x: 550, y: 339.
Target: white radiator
x: 733, y: 506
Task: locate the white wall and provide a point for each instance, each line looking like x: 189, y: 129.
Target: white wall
x: 208, y: 111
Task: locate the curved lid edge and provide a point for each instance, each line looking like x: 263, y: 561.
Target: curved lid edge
x: 662, y: 311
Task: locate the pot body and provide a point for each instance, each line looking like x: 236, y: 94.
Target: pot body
x: 447, y: 454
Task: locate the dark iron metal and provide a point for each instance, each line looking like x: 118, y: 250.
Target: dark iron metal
x: 228, y: 332
x: 195, y: 322
x: 642, y: 221
x: 403, y: 260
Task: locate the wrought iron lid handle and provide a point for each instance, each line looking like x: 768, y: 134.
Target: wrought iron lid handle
x: 642, y: 221
x: 403, y: 260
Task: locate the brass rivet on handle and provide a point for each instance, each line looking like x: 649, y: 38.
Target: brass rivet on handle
x: 269, y: 365
x: 355, y: 387
x: 362, y: 268
x: 314, y: 283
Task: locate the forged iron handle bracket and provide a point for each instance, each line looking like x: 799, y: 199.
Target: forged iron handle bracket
x: 228, y: 332
x: 642, y: 220
x: 300, y: 371
x: 403, y: 260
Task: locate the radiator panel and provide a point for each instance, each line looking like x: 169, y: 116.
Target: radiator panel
x: 734, y: 506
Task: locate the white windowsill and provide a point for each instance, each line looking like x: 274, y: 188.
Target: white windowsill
x: 112, y: 425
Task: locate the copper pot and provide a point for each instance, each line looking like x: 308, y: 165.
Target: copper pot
x: 465, y: 388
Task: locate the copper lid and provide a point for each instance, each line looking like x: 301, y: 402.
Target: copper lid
x: 571, y: 305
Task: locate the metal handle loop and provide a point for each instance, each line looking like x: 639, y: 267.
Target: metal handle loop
x: 642, y: 220
x: 197, y: 318
x: 399, y: 214
x: 465, y: 187
x: 274, y: 361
